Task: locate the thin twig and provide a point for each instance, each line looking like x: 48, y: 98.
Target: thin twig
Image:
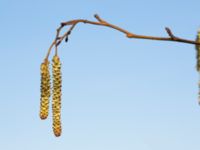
x: 102, y: 22
x: 66, y: 34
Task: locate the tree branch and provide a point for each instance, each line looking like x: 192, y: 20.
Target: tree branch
x: 101, y: 22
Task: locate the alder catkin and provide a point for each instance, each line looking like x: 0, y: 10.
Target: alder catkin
x: 198, y: 61
x: 45, y: 90
x: 198, y: 52
x: 56, y: 102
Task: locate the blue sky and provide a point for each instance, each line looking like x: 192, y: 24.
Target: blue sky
x: 118, y: 93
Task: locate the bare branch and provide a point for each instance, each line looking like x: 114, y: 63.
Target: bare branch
x: 102, y: 22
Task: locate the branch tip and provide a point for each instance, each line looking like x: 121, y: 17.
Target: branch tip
x: 99, y: 19
x: 169, y: 32
x: 96, y: 15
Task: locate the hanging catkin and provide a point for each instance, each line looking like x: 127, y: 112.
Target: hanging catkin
x: 198, y: 59
x: 198, y: 52
x: 56, y: 102
x: 45, y: 89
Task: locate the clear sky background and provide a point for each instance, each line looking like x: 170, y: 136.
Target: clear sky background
x: 118, y: 93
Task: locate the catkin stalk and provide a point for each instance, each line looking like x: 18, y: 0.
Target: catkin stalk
x: 56, y: 102
x: 45, y: 89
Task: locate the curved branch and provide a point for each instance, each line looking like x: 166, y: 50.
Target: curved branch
x: 102, y: 22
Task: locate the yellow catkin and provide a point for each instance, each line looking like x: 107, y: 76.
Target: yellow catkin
x: 198, y: 52
x: 198, y: 60
x: 56, y: 102
x: 45, y: 90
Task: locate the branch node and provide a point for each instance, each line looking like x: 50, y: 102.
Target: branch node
x: 62, y: 24
x: 58, y: 43
x: 69, y: 32
x: 129, y: 35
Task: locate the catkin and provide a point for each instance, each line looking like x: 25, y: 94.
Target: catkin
x: 198, y: 52
x: 198, y: 61
x: 45, y: 90
x: 56, y: 102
